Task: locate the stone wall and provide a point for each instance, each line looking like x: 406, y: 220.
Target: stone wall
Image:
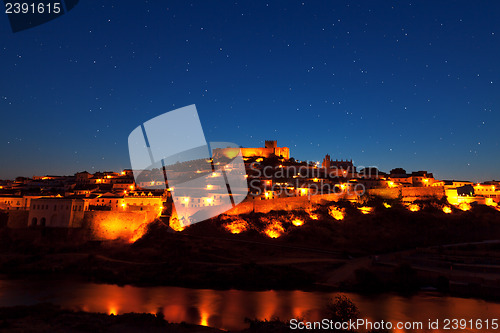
x: 113, y: 225
x: 290, y: 203
x: 409, y: 193
x: 17, y: 219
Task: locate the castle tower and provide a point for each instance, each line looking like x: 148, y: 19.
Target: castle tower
x: 326, y: 162
x: 271, y: 144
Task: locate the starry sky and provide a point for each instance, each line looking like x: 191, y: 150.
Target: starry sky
x: 384, y: 83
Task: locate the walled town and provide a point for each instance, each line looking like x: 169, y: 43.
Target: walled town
x: 111, y: 205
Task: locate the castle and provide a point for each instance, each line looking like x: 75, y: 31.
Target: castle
x: 270, y: 148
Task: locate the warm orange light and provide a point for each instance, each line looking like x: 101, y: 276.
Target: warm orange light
x: 209, y: 200
x: 112, y: 310
x: 336, y: 213
x: 209, y: 187
x: 464, y: 206
x: 386, y: 205
x: 297, y: 222
x: 131, y: 187
x: 447, y: 209
x: 139, y: 232
x: 413, y: 207
x: 237, y: 226
x: 315, y: 180
x: 391, y: 184
x: 366, y: 210
x: 274, y: 230
x: 204, y: 319
x: 176, y: 224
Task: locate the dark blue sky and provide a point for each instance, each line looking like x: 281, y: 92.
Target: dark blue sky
x: 388, y: 84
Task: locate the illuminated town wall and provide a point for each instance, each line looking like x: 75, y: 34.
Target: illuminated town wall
x: 409, y: 193
x: 108, y: 225
x: 291, y: 203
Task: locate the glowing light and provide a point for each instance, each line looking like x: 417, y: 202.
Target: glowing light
x: 447, y: 209
x: 204, y: 319
x: 139, y: 232
x: 131, y: 187
x: 209, y: 200
x: 123, y: 173
x: 237, y: 226
x: 413, y: 207
x: 186, y: 200
x: 297, y: 222
x: 365, y: 210
x: 209, y: 187
x: 391, y: 184
x: 465, y: 206
x: 176, y: 224
x: 336, y: 213
x: 386, y: 205
x: 274, y: 230
x: 315, y: 180
x: 112, y: 310
x: 312, y: 216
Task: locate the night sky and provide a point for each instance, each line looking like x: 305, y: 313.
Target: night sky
x: 387, y: 84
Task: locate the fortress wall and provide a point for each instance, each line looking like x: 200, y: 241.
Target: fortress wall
x: 422, y: 193
x: 17, y: 219
x: 290, y: 203
x: 385, y: 193
x: 113, y: 225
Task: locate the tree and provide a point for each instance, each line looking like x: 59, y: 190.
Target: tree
x: 342, y: 309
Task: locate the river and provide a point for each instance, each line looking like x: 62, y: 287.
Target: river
x: 227, y: 309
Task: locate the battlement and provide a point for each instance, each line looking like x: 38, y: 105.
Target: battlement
x: 271, y: 144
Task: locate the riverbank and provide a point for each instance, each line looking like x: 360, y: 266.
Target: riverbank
x: 46, y: 317
x: 386, y: 250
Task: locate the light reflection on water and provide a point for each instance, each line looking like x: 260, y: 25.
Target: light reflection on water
x: 227, y: 309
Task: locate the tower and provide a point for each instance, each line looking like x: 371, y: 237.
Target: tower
x: 271, y: 144
x: 326, y: 162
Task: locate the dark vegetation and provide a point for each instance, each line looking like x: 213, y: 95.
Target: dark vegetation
x: 205, y: 255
